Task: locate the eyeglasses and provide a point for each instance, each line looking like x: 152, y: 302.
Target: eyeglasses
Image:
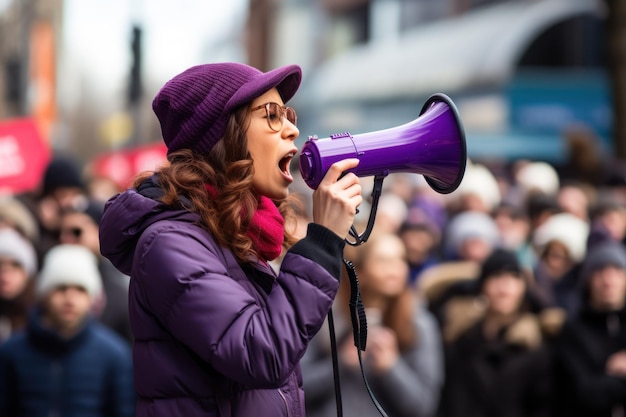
x: 275, y: 114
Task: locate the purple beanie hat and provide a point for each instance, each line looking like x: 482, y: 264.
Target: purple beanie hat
x: 193, y: 108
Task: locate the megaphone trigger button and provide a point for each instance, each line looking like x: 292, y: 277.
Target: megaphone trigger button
x: 340, y: 135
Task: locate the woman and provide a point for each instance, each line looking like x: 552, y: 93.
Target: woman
x: 217, y: 331
x: 18, y: 266
x: 403, y: 357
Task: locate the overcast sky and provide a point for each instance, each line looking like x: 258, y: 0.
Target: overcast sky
x: 176, y: 34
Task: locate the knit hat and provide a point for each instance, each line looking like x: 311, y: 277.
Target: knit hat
x: 14, y: 246
x: 601, y: 256
x: 538, y: 177
x: 500, y: 260
x: 468, y: 225
x: 63, y: 171
x: 69, y: 265
x: 193, y: 108
x: 566, y: 228
x: 15, y: 213
x: 479, y: 181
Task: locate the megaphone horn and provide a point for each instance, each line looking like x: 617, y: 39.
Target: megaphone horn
x: 432, y: 145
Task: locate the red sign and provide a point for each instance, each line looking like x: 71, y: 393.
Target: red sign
x: 24, y: 155
x: 122, y: 166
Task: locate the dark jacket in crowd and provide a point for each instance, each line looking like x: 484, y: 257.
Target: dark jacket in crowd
x: 210, y: 334
x: 88, y: 375
x: 583, y: 389
x: 115, y: 313
x: 495, y: 378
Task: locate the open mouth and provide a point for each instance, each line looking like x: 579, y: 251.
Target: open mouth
x: 283, y: 164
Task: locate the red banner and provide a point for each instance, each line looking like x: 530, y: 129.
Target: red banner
x: 122, y: 166
x: 24, y: 155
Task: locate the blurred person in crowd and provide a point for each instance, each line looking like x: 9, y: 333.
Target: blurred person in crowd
x: 216, y: 329
x: 421, y: 242
x: 404, y: 185
x: 470, y: 236
x: 15, y: 214
x: 514, y: 226
x: 18, y: 266
x: 540, y: 207
x: 575, y: 198
x: 479, y: 190
x: 64, y: 363
x: 531, y: 178
x: 497, y: 362
x: 560, y: 244
x: 80, y: 225
x: 62, y: 185
x: 590, y: 368
x: 608, y: 219
x: 101, y: 188
x: 469, y: 239
x: 403, y: 356
x: 390, y: 214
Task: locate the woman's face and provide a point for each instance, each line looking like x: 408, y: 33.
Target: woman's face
x: 385, y: 270
x: 271, y: 151
x: 557, y: 259
x: 13, y: 278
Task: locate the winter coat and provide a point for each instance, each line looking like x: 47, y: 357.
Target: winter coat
x: 213, y: 337
x: 88, y: 375
x: 506, y: 376
x: 583, y: 348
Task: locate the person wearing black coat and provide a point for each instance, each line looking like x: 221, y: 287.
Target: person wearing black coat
x: 499, y: 366
x: 590, y: 355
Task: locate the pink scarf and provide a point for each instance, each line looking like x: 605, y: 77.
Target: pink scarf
x: 266, y: 228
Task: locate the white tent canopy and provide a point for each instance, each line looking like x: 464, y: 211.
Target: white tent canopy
x: 478, y: 48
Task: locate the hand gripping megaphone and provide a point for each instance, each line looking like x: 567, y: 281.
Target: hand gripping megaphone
x: 432, y: 145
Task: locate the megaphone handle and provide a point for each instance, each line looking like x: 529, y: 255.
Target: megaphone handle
x: 362, y: 238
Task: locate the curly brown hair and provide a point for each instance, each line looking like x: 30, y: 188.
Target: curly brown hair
x: 228, y: 167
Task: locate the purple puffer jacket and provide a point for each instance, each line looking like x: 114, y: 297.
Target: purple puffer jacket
x: 213, y: 338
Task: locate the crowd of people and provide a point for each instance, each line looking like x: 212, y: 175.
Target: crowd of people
x: 506, y: 297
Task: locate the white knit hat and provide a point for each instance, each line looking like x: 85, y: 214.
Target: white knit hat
x: 14, y: 246
x: 538, y: 176
x: 470, y: 224
x: 70, y: 265
x: 566, y: 228
x: 480, y: 181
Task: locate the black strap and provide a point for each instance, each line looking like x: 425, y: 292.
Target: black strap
x: 359, y: 328
x: 359, y: 239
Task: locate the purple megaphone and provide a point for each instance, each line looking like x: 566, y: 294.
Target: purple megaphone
x: 432, y: 145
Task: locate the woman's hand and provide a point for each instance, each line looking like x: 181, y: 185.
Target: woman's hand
x: 336, y: 199
x: 382, y: 348
x: 616, y: 364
